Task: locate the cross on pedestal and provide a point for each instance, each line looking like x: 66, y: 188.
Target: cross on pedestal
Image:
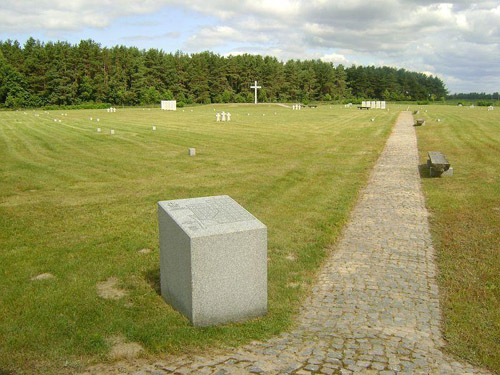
x: 255, y: 87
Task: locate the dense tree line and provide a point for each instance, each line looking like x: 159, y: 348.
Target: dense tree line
x: 474, y: 96
x: 59, y: 73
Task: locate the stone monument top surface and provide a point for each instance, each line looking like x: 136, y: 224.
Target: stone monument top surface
x: 207, y: 216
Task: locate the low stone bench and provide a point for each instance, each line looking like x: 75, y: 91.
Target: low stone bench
x: 361, y: 107
x: 438, y: 164
x: 420, y: 122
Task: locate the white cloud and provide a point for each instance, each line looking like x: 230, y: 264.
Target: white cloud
x: 335, y: 58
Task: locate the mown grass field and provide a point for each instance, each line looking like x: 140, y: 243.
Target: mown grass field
x: 465, y: 224
x: 81, y: 205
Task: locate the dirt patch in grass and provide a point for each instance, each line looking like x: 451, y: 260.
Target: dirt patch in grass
x: 109, y: 289
x: 121, y: 349
x: 43, y: 276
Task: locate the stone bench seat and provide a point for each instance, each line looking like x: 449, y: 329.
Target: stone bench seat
x: 438, y: 164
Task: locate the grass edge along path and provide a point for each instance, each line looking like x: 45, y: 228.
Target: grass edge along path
x: 465, y: 227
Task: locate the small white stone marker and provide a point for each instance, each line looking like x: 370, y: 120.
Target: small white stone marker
x: 217, y: 117
x: 191, y: 151
x: 55, y: 120
x: 112, y: 131
x: 228, y: 116
x: 154, y: 127
x: 373, y: 119
x: 248, y: 114
x: 97, y: 119
x: 439, y: 120
x: 98, y: 130
x: 213, y: 260
x: 91, y: 119
x: 60, y: 120
x: 223, y: 116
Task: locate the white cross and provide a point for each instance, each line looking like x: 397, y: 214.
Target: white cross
x: 255, y: 87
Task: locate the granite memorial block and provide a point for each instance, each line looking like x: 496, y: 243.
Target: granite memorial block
x: 213, y: 260
x: 191, y: 151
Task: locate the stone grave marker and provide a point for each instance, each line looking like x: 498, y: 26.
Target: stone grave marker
x: 98, y: 130
x: 112, y: 131
x: 228, y: 116
x: 191, y: 151
x: 213, y: 260
x: 223, y: 116
x: 217, y: 117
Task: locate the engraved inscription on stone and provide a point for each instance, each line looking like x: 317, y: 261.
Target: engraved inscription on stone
x: 219, y: 211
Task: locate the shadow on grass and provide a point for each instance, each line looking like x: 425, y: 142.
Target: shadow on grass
x: 152, y: 277
x: 424, y: 171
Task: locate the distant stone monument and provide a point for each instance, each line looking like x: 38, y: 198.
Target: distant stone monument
x: 217, y: 117
x: 213, y: 260
x: 169, y: 105
x: 228, y: 116
x: 223, y: 116
x: 382, y: 104
x: 191, y: 151
x: 255, y: 87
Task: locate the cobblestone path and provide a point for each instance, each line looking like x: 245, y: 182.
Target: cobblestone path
x: 375, y: 307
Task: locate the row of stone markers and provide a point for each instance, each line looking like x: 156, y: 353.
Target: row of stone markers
x: 222, y: 116
x: 297, y: 107
x: 373, y: 104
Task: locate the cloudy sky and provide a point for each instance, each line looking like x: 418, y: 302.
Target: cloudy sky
x: 458, y: 41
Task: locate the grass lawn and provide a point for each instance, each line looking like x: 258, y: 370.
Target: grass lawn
x: 465, y: 224
x: 80, y: 205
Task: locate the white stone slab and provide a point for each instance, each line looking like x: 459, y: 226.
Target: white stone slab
x: 382, y: 104
x: 372, y: 105
x: 377, y: 105
x: 213, y: 260
x: 191, y: 151
x: 169, y: 105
